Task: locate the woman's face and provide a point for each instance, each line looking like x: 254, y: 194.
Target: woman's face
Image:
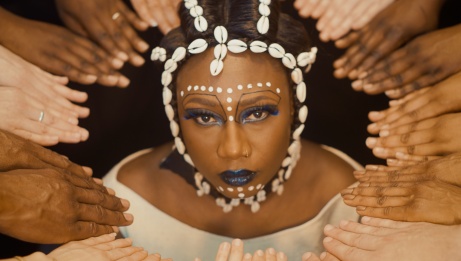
x: 236, y: 126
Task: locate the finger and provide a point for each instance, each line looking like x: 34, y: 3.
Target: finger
x: 113, y: 244
x: 359, y: 240
x: 44, y: 140
x: 143, y: 11
x: 309, y: 256
x: 236, y: 253
x: 365, y: 228
x: 281, y: 256
x: 305, y: 7
x: 384, y: 223
x: 270, y: 254
x: 83, y: 230
x: 93, y: 241
x: 100, y: 215
x: 401, y: 140
x: 157, y: 257
x: 421, y: 82
x: 361, y: 14
x: 402, y: 163
x: 320, y: 8
x: 396, y: 213
x: 247, y: 257
x: 345, y: 42
x: 258, y: 256
x: 138, y: 254
x: 132, y: 18
x: 134, y: 40
x: 223, y: 252
x: 378, y: 201
x: 342, y: 251
x: 376, y: 191
x: 326, y: 256
x: 156, y: 8
x: 33, y: 126
x: 96, y: 197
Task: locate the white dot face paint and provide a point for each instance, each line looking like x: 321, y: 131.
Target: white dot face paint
x: 203, y: 88
x: 229, y: 108
x: 219, y: 90
x: 278, y: 90
x: 239, y: 189
x: 210, y: 89
x: 241, y: 195
x: 268, y: 84
x: 249, y: 86
x: 259, y: 84
x: 189, y: 88
x: 230, y: 189
x: 231, y: 118
x: 195, y: 87
x: 182, y: 93
x: 229, y: 90
x: 239, y: 87
x: 229, y: 99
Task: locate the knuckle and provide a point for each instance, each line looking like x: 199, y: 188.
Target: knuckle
x: 404, y: 138
x: 381, y: 200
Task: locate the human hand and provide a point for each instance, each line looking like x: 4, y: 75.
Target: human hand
x: 383, y: 240
x: 422, y: 62
x: 416, y: 141
x: 423, y: 104
x: 386, y: 32
x: 110, y: 23
x: 46, y: 87
x: 55, y: 206
x: 337, y: 17
x: 423, y: 192
x: 234, y: 252
x: 101, y: 248
x: 59, y: 51
x: 32, y: 119
x: 161, y: 13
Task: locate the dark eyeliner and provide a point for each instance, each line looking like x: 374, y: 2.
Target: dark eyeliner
x: 196, y: 113
x: 271, y: 109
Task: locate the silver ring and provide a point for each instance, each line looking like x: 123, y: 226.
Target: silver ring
x: 115, y: 16
x: 42, y: 115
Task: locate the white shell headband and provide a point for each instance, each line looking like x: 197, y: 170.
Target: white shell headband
x: 305, y: 59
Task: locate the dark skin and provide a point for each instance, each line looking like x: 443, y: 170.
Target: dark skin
x: 59, y: 51
x: 45, y: 198
x: 386, y: 32
x: 313, y: 183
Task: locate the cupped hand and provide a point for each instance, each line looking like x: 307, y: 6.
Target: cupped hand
x: 430, y: 102
x: 161, y: 13
x: 55, y: 206
x: 382, y: 240
x: 32, y: 119
x: 59, y: 51
x: 101, y: 248
x: 431, y: 137
x: 387, y: 31
x: 110, y: 23
x: 422, y: 62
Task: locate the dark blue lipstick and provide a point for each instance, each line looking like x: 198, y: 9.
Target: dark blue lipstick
x: 237, y: 178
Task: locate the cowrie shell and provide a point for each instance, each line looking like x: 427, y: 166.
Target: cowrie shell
x: 196, y: 11
x: 298, y: 131
x: 162, y: 54
x: 170, y: 66
x: 179, y: 145
x: 289, y: 61
x: 220, y: 51
x: 220, y: 34
x: 301, y: 92
x: 297, y: 76
x: 216, y: 67
x: 288, y: 173
x: 264, y: 9
x: 263, y: 25
x: 255, y: 207
x: 206, y: 187
x: 200, y: 24
x: 169, y: 112
x: 167, y: 95
x: 190, y: 3
x: 266, y: 2
x: 155, y: 54
x: 179, y: 54
x: 258, y: 47
x: 174, y: 127
x: 302, y: 114
x: 197, y: 46
x: 188, y: 159
x: 286, y: 162
x: 237, y: 46
x: 166, y: 78
x: 276, y: 50
x: 294, y: 148
x: 304, y: 59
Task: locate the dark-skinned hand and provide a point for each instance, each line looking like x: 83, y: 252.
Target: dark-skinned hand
x: 110, y: 23
x: 161, y: 13
x: 422, y: 62
x: 387, y: 31
x: 59, y: 51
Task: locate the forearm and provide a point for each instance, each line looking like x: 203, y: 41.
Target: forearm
x: 37, y: 256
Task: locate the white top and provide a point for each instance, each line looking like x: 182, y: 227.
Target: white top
x: 158, y: 232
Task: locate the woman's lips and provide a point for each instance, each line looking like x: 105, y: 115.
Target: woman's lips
x: 237, y: 177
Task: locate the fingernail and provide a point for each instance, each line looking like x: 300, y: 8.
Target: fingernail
x: 357, y: 84
x: 307, y: 255
x: 339, y: 72
x: 365, y: 219
x: 125, y: 203
x: 143, y: 46
x: 327, y: 239
x: 323, y: 255
x: 384, y: 133
x: 123, y: 81
x: 84, y: 134
x: 373, y: 126
x: 153, y: 23
x: 347, y: 191
x: 359, y: 172
x: 368, y: 87
x: 385, y: 127
x: 73, y: 121
x: 348, y: 197
x: 116, y: 230
x: 91, y: 78
x: 123, y: 56
x: 400, y: 155
x: 117, y: 63
x: 271, y: 251
x: 371, y: 142
x: 363, y: 75
x: 280, y: 255
x: 259, y: 253
x: 328, y: 227
x: 128, y: 216
x: 364, y: 184
x: 371, y: 167
x: 137, y: 60
x: 226, y: 246
x: 390, y: 93
x: 378, y: 150
x: 236, y: 242
x: 343, y: 223
x: 375, y: 114
x: 353, y: 74
x: 361, y: 208
x: 112, y: 79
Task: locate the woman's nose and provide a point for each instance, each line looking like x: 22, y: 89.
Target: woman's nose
x: 234, y: 142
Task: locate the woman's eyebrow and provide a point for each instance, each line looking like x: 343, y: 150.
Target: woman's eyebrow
x: 253, y: 99
x: 198, y: 98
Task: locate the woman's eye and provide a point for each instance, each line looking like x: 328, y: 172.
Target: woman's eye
x: 259, y: 113
x: 203, y: 117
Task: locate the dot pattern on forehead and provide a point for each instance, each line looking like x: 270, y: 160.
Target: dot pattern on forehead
x: 259, y: 84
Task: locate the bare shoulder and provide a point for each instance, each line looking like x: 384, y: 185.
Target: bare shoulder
x: 328, y: 171
x: 141, y: 170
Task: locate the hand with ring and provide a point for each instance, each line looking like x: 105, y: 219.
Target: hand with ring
x: 161, y: 13
x: 109, y: 23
